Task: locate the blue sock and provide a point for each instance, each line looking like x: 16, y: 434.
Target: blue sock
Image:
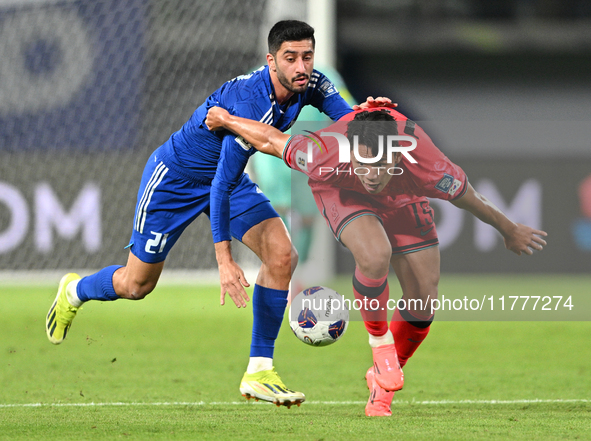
x: 98, y: 286
x: 268, y: 307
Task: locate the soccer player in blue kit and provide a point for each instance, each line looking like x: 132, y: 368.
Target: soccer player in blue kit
x: 197, y: 171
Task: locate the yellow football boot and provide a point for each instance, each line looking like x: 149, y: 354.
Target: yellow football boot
x: 60, y: 316
x: 267, y: 386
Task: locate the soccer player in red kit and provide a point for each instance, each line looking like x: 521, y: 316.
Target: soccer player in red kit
x: 370, y: 174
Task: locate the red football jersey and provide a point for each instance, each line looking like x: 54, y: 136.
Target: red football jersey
x: 432, y: 175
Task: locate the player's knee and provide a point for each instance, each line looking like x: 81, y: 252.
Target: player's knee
x: 279, y: 260
x: 424, y: 289
x: 430, y: 288
x: 374, y: 262
x: 429, y: 283
x: 138, y: 290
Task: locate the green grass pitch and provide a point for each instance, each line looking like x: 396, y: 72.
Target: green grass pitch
x: 168, y: 367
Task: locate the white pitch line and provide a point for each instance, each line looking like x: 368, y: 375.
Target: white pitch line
x: 337, y: 403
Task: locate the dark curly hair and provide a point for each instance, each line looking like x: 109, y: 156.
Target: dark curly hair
x: 289, y: 30
x: 368, y: 125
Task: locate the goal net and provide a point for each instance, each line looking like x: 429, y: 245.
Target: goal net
x: 88, y: 89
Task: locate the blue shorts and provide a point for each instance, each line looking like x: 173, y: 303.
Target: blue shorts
x: 168, y: 202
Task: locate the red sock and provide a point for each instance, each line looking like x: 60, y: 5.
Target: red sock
x: 409, y: 332
x: 374, y: 295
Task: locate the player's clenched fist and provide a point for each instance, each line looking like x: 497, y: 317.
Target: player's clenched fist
x: 215, y: 118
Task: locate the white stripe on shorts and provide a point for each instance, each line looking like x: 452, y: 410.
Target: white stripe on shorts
x: 142, y: 207
x: 145, y: 194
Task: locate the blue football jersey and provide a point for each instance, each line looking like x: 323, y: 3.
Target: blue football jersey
x: 220, y: 157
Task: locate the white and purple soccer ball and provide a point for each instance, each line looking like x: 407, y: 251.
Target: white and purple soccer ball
x: 318, y: 316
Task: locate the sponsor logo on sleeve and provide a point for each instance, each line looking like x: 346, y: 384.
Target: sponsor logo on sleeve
x: 327, y: 88
x: 243, y: 143
x: 301, y: 160
x: 455, y: 187
x: 445, y: 183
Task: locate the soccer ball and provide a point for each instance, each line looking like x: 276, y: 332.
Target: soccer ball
x: 318, y: 316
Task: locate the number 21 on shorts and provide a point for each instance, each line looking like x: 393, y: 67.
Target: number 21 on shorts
x: 157, y: 244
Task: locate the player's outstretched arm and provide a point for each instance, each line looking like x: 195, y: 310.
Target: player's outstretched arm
x: 518, y: 238
x: 263, y: 137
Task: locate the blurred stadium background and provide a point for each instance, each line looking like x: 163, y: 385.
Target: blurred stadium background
x: 89, y: 88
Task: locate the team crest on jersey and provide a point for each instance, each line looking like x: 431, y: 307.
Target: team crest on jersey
x: 327, y: 88
x: 445, y: 183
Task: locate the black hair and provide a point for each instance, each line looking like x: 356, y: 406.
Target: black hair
x: 382, y: 123
x: 289, y: 30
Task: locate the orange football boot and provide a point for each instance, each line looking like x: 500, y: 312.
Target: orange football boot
x: 379, y: 399
x: 387, y: 370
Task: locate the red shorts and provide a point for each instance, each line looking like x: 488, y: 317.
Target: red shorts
x: 409, y: 227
